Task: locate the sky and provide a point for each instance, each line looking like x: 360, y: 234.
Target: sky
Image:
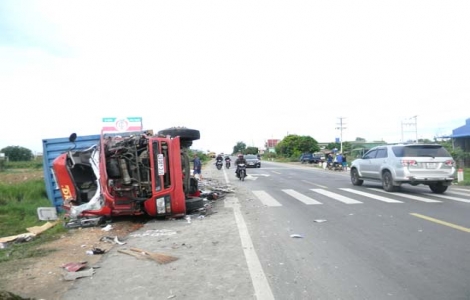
x: 238, y: 71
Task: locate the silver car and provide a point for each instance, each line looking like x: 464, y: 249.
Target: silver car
x: 394, y: 165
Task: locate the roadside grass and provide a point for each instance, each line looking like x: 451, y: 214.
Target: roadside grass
x: 466, y: 177
x: 18, y: 211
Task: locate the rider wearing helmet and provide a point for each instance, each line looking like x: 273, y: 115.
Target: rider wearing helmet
x: 240, y: 160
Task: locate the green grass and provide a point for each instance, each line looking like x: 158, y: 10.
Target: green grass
x: 33, y: 164
x: 466, y: 177
x: 18, y: 211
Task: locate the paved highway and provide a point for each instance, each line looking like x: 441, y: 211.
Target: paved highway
x: 355, y: 242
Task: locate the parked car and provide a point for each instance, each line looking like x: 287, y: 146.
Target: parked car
x: 311, y: 158
x: 394, y: 165
x: 252, y: 161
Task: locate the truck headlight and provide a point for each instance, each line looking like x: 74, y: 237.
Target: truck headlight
x: 161, y: 205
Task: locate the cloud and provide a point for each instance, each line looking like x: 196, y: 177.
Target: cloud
x: 237, y: 71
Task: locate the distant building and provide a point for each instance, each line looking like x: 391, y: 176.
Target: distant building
x: 461, y: 138
x: 271, y: 145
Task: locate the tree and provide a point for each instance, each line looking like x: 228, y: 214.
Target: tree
x: 294, y: 145
x: 332, y: 146
x: 17, y: 153
x: 359, y: 139
x: 239, y: 148
x: 251, y: 150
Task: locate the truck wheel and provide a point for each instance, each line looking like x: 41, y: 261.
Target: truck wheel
x: 193, y: 204
x: 187, y: 136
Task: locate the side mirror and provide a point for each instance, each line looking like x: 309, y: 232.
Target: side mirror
x: 73, y: 137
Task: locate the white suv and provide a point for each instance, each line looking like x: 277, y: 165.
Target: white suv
x: 393, y: 165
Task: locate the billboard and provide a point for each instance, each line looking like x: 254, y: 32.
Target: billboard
x: 122, y: 124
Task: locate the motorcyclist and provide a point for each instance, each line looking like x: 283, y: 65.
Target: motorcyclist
x: 227, y: 159
x: 240, y: 160
x: 219, y: 158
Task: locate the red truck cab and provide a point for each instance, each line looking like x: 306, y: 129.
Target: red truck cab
x: 130, y: 173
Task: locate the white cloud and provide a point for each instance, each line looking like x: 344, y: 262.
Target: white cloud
x: 238, y: 70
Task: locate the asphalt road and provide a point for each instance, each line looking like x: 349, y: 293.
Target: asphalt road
x: 298, y: 232
x: 357, y: 242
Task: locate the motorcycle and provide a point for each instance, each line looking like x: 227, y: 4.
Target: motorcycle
x: 219, y: 164
x: 227, y: 164
x: 241, y: 172
x: 335, y: 166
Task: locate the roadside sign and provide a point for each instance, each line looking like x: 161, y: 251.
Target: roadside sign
x: 121, y: 124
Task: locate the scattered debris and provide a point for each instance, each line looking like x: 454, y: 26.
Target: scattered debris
x: 188, y: 218
x: 108, y: 227
x: 171, y: 297
x: 112, y: 240
x: 26, y: 237
x: 155, y: 232
x: 142, y: 254
x: 40, y: 229
x: 296, y: 236
x: 74, y: 266
x: 79, y: 274
x: 319, y: 221
x: 47, y: 213
x: 95, y: 251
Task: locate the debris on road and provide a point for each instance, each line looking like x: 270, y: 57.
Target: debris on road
x: 143, y: 254
x: 298, y: 236
x: 74, y: 266
x: 108, y: 227
x: 154, y: 233
x: 74, y: 275
x: 319, y: 221
x: 112, y: 240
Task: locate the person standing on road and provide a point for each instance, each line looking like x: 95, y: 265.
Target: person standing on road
x: 339, y: 160
x: 197, y: 167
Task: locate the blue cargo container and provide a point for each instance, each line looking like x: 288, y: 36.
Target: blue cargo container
x: 53, y: 148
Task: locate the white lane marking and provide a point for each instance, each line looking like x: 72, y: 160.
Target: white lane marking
x: 376, y: 197
x: 458, y: 193
x: 451, y: 198
x: 413, y: 197
x: 301, y: 197
x: 226, y: 177
x: 463, y: 190
x: 266, y: 199
x: 336, y: 196
x: 258, y: 278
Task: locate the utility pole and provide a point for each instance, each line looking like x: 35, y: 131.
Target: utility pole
x: 408, y: 123
x: 341, y: 127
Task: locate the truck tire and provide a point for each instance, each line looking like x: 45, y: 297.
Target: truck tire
x: 193, y: 204
x: 187, y: 136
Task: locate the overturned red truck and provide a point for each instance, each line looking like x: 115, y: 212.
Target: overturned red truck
x: 131, y: 173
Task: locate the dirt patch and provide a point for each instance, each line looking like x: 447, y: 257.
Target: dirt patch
x: 42, y: 277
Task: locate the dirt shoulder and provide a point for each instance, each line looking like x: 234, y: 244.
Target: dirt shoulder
x: 43, y: 277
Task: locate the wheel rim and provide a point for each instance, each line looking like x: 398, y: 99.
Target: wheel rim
x: 386, y: 180
x: 354, y: 176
